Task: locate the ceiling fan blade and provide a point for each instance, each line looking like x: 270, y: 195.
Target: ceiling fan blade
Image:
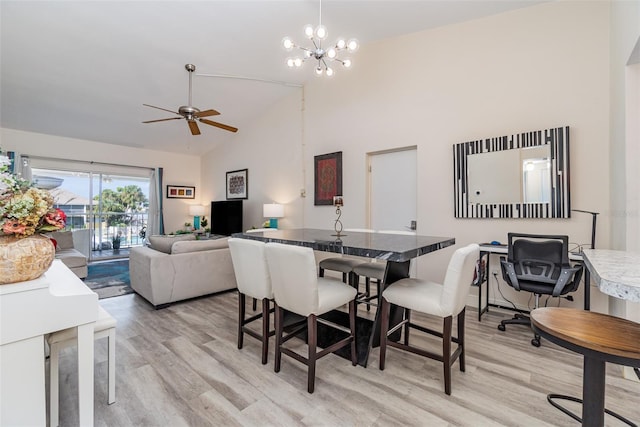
x: 163, y: 109
x: 207, y: 113
x: 162, y: 120
x: 194, y: 127
x: 219, y: 125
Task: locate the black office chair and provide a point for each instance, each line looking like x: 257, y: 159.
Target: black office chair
x: 538, y: 264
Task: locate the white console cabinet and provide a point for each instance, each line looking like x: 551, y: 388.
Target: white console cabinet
x: 29, y: 310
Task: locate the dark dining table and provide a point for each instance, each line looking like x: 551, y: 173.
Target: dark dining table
x: 396, y: 249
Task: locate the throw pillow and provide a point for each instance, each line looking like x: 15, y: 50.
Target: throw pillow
x: 199, y: 245
x: 164, y: 243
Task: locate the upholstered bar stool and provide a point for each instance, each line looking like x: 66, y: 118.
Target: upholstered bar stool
x: 375, y: 270
x: 342, y: 264
x: 258, y: 230
x: 443, y: 300
x: 252, y: 276
x: 298, y: 289
x: 105, y: 327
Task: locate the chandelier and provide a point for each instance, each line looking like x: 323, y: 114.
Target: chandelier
x: 323, y: 56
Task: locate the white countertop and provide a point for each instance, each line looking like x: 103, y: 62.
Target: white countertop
x: 617, y: 273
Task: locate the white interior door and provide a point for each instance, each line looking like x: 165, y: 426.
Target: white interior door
x: 393, y: 189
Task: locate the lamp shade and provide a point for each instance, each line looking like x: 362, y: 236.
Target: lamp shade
x: 196, y: 210
x: 272, y: 210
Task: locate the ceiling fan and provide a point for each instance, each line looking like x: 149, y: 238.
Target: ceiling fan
x: 191, y: 114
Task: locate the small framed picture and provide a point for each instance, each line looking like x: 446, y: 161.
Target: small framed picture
x: 238, y: 184
x: 180, y: 192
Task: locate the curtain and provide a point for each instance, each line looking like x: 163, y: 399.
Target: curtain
x: 154, y: 222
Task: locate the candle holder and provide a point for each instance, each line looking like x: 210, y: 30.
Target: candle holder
x: 338, y: 202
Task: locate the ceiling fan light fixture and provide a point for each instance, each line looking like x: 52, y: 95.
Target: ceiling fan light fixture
x: 192, y: 114
x: 323, y: 56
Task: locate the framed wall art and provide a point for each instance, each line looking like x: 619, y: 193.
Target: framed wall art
x: 180, y: 192
x: 327, y: 174
x: 238, y: 184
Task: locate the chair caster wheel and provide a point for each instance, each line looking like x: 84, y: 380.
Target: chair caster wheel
x: 501, y: 327
x: 535, y: 342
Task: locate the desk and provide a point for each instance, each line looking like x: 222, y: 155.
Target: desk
x: 488, y: 250
x: 616, y: 273
x: 600, y: 338
x: 397, y: 250
x: 29, y: 310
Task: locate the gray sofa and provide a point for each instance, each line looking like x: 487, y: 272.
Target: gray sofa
x: 177, y: 268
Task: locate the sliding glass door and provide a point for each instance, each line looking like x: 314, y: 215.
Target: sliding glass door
x: 107, y: 211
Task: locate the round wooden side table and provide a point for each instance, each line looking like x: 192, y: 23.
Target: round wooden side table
x: 600, y: 338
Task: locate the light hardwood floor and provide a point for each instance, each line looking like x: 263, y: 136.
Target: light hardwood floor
x: 180, y: 366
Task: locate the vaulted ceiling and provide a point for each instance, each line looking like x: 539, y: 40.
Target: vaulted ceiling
x: 83, y: 69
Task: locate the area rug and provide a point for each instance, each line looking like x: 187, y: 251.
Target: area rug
x: 109, y: 279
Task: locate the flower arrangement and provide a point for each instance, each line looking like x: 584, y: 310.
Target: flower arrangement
x: 24, y: 209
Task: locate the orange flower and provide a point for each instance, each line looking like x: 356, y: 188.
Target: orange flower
x: 13, y: 227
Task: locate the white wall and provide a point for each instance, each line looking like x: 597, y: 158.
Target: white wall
x: 530, y: 69
x: 178, y: 169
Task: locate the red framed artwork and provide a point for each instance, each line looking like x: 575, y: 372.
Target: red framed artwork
x: 327, y: 173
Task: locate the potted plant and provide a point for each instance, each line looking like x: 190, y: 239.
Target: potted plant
x: 207, y: 231
x: 115, y: 240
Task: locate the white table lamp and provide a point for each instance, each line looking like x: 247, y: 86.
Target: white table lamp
x: 197, y: 211
x: 273, y: 211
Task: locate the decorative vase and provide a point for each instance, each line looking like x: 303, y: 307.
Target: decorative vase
x: 24, y: 259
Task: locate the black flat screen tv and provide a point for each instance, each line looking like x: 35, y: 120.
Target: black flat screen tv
x: 226, y: 217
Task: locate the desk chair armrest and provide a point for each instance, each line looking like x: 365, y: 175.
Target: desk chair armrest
x: 566, y: 275
x: 509, y: 274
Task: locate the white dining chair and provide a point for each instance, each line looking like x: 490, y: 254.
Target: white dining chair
x: 444, y: 300
x: 298, y: 289
x: 252, y: 276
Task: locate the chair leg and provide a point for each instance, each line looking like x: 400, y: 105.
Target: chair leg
x: 241, y: 314
x: 461, y: 319
x: 320, y: 272
x: 54, y: 387
x: 312, y: 334
x: 406, y: 326
x: 446, y: 353
x: 367, y: 291
x: 111, y: 363
x: 384, y: 327
x: 278, y: 344
x: 255, y: 304
x: 265, y: 330
x: 352, y: 327
x: 344, y: 278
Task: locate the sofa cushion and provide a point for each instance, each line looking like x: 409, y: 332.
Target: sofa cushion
x: 164, y: 243
x: 64, y: 239
x: 199, y: 245
x: 71, y: 258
